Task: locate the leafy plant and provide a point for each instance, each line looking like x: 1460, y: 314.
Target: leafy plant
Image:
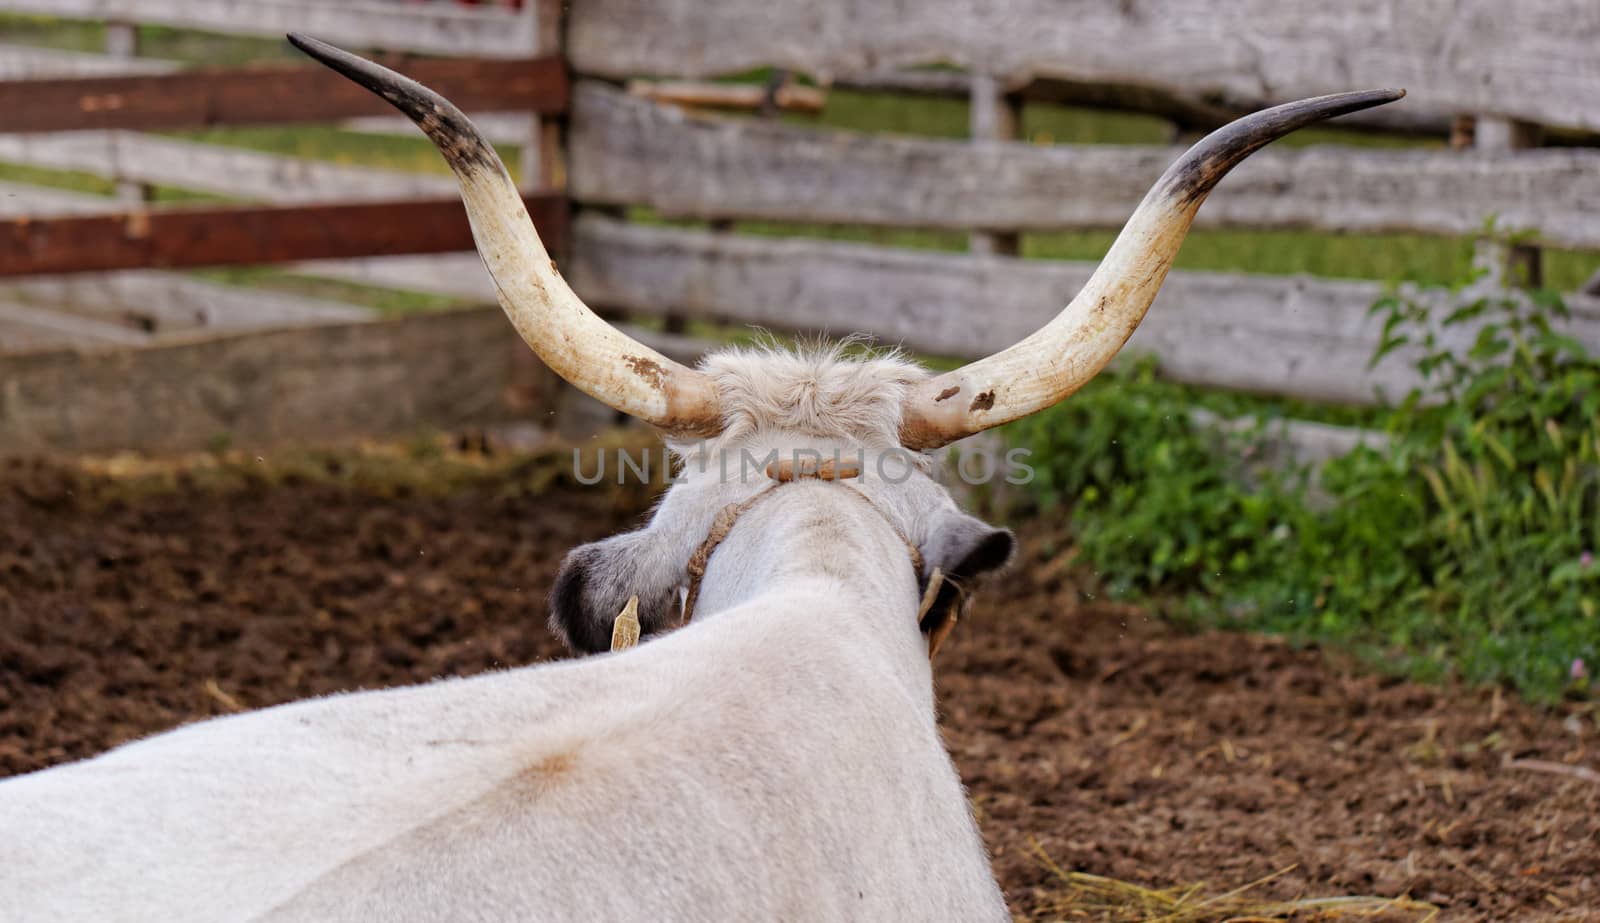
x: 1463, y: 545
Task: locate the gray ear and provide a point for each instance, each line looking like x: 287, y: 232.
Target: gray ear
x: 596, y: 580
x: 965, y: 548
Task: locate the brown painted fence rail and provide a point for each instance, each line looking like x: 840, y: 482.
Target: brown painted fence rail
x: 268, y: 95
x: 188, y: 238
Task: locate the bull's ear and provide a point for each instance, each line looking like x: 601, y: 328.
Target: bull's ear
x: 966, y: 549
x: 596, y: 580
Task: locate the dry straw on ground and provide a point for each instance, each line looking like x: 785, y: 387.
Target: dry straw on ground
x: 1081, y: 896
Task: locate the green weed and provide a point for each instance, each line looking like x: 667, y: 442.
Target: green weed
x: 1463, y: 547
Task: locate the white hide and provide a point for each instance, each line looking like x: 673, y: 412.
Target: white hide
x: 776, y: 760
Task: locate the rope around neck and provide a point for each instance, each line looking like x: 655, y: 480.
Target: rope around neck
x: 781, y: 472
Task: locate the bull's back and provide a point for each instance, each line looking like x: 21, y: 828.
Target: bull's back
x: 717, y: 778
x: 755, y: 776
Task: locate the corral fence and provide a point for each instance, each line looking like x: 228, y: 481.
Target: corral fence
x: 610, y: 101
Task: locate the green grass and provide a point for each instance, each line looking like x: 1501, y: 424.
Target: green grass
x: 49, y: 32
x: 1463, y: 547
x: 1388, y: 257
x: 68, y: 180
x: 90, y: 184
x: 1044, y: 123
x: 1385, y: 257
x: 333, y: 144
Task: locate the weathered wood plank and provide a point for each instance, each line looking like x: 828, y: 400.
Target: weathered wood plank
x: 1309, y: 338
x: 1295, y: 441
x: 26, y: 62
x: 1519, y: 263
x: 24, y: 328
x: 161, y: 303
x: 310, y: 384
x: 499, y: 127
x: 458, y: 275
x: 18, y: 200
x: 992, y: 115
x: 267, y: 94
x: 211, y: 168
x: 739, y: 97
x: 629, y: 150
x: 181, y: 238
x: 1533, y: 60
x: 433, y: 28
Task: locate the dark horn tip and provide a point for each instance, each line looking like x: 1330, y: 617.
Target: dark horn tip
x: 1203, y: 166
x: 316, y: 48
x: 451, y: 131
x: 1366, y: 99
x: 336, y: 58
x: 373, y: 76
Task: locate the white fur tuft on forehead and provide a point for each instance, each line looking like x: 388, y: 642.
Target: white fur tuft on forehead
x: 822, y: 390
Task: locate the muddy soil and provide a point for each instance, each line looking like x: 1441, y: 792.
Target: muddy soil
x: 1089, y: 733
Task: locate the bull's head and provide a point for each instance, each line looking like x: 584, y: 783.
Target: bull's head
x: 736, y: 401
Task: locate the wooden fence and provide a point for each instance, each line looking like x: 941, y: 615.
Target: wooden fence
x: 1501, y: 83
x: 1511, y: 78
x: 170, y: 238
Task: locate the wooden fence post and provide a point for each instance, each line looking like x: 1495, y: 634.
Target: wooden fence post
x: 541, y: 162
x: 994, y: 115
x: 122, y: 41
x: 1518, y: 264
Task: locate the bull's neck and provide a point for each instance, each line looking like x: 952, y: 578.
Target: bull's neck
x: 820, y: 537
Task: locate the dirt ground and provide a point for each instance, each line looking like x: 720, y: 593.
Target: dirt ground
x: 1090, y: 734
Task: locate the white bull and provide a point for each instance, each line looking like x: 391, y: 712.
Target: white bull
x: 776, y: 759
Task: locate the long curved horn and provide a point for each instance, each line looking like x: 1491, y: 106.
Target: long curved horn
x: 1063, y: 355
x: 585, y: 350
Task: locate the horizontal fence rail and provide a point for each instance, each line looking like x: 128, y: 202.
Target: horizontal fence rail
x: 301, y: 384
x: 267, y: 95
x: 163, y: 302
x: 26, y: 328
x: 434, y: 28
x: 22, y: 201
x: 187, y: 238
x: 627, y: 150
x: 215, y: 169
x: 23, y: 62
x: 1310, y: 338
x: 1533, y: 60
x: 137, y: 307
x: 26, y: 62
